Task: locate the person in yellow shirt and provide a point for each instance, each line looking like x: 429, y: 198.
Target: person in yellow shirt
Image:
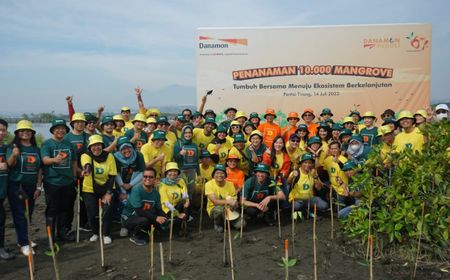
x: 387, y: 136
x: 120, y: 124
x: 206, y: 166
x: 303, y: 132
x: 221, y: 194
x: 304, y: 181
x: 162, y: 123
x: 293, y: 149
x: 99, y: 171
x: 238, y: 150
x: 220, y: 146
x: 125, y: 112
x: 203, y: 136
x: 155, y: 153
x: 333, y: 163
x: 174, y: 194
x: 410, y: 137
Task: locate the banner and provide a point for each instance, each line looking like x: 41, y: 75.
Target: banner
x: 363, y: 67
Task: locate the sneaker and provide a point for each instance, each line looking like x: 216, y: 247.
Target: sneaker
x: 123, y: 232
x: 107, y: 240
x: 33, y: 244
x: 136, y: 241
x: 190, y: 219
x: 6, y: 255
x: 93, y: 238
x: 218, y: 228
x: 26, y: 250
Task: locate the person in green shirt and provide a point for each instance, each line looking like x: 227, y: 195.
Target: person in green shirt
x: 4, y: 252
x: 25, y: 179
x: 137, y: 134
x: 107, y: 126
x: 370, y: 131
x: 144, y: 208
x: 60, y: 170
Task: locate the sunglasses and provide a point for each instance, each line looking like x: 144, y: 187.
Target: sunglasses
x: 148, y: 177
x: 307, y: 115
x: 295, y: 141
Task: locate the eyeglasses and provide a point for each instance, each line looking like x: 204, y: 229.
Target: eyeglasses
x: 148, y: 177
x: 307, y: 115
x: 295, y: 141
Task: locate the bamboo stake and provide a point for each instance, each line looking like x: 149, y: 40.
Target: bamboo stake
x: 371, y: 257
x: 30, y: 256
x: 418, y: 240
x: 224, y: 236
x: 286, y: 255
x: 230, y: 245
x: 370, y: 223
x: 78, y: 211
x: 331, y: 213
x: 161, y: 256
x: 242, y: 213
x: 152, y: 229
x: 314, y: 243
x: 170, y: 235
x: 201, y: 207
x: 278, y: 208
x: 52, y: 248
x: 293, y: 226
x: 100, y: 231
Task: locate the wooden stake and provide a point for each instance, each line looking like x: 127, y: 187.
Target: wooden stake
x: 286, y: 255
x: 224, y: 236
x: 371, y: 257
x: 230, y: 245
x: 152, y: 229
x: 242, y: 213
x: 52, y: 248
x: 201, y: 207
x: 293, y: 226
x: 30, y: 256
x: 170, y: 235
x: 78, y: 210
x: 278, y: 211
x: 418, y: 240
x: 314, y: 243
x: 161, y: 256
x: 331, y: 213
x: 100, y: 231
x: 370, y: 224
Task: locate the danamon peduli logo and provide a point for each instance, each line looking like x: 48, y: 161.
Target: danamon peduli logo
x: 381, y: 43
x: 417, y: 43
x: 213, y: 43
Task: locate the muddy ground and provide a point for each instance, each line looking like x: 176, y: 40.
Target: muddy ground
x: 256, y: 256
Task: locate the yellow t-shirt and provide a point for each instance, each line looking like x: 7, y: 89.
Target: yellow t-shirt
x: 206, y: 173
x: 334, y: 170
x: 304, y: 187
x: 118, y: 133
x: 244, y: 163
x: 172, y: 193
x: 211, y: 187
x: 171, y: 139
x: 128, y: 125
x: 413, y: 140
x: 101, y: 170
x: 223, y: 151
x: 200, y: 139
x: 150, y: 152
x: 278, y: 164
x: 295, y: 156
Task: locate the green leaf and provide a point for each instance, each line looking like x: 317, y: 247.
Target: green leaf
x: 292, y: 262
x: 398, y: 227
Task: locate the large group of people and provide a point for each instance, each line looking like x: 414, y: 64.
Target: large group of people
x: 147, y: 169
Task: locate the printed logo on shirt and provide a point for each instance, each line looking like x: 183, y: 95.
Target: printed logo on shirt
x: 99, y: 170
x: 333, y: 170
x: 79, y: 146
x: 306, y: 187
x: 408, y: 145
x: 28, y: 163
x: 175, y: 195
x: 65, y: 155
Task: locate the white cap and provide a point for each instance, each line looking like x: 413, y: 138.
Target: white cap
x: 441, y: 107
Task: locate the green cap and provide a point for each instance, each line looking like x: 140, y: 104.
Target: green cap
x: 349, y: 165
x: 345, y: 132
x: 205, y: 154
x: 219, y: 167
x: 221, y: 128
x: 336, y: 126
x: 159, y: 135
x: 89, y: 117
x: 313, y: 140
x: 230, y: 109
x: 261, y: 167
x: 326, y: 111
x: 324, y: 125
x: 209, y: 111
x: 306, y: 156
x: 107, y: 119
x: 254, y: 115
x: 162, y: 119
x: 239, y: 138
x: 59, y: 122
x: 211, y: 120
x: 356, y: 137
x: 122, y: 141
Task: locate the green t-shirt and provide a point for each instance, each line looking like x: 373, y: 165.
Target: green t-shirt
x: 369, y: 136
x: 126, y: 171
x: 140, y: 198
x: 3, y: 173
x: 255, y: 192
x: 58, y: 174
x: 107, y: 140
x: 27, y: 165
x: 79, y: 142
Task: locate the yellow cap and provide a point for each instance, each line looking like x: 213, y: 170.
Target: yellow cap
x: 383, y: 130
x: 421, y: 112
x: 78, y: 117
x: 235, y: 123
x: 348, y: 120
x: 172, y: 166
x: 240, y: 114
x: 369, y: 115
x: 405, y: 114
x: 94, y: 139
x: 24, y: 124
x: 151, y: 120
x: 152, y: 111
x: 139, y: 118
x: 256, y: 132
x: 118, y: 118
x: 125, y: 108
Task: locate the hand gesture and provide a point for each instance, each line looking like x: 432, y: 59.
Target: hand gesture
x: 101, y: 109
x: 69, y: 99
x: 204, y: 98
x: 138, y: 91
x: 15, y: 151
x: 161, y: 157
x: 182, y: 152
x: 59, y: 158
x: 161, y: 219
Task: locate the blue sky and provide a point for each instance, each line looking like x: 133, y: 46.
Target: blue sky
x: 99, y: 50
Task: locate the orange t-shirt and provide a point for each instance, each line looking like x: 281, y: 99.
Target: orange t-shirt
x: 269, y: 132
x: 236, y: 176
x: 287, y: 131
x: 312, y: 128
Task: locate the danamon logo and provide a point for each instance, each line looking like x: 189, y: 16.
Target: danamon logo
x: 382, y: 43
x: 220, y: 43
x: 418, y: 43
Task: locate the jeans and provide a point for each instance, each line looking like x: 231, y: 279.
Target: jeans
x: 58, y: 200
x: 139, y: 226
x: 2, y: 223
x: 91, y: 201
x: 303, y: 204
x: 343, y: 213
x: 17, y: 194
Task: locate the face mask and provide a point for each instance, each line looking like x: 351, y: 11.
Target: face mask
x: 441, y: 116
x: 354, y: 147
